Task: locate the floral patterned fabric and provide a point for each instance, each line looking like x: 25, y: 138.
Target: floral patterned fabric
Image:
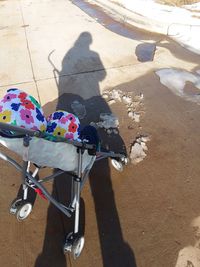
x: 63, y: 124
x: 20, y: 109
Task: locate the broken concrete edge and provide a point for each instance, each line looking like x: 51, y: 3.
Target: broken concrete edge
x: 139, y: 148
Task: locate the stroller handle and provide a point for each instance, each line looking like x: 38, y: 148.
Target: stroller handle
x: 32, y: 133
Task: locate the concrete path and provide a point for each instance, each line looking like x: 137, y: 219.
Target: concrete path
x: 31, y: 31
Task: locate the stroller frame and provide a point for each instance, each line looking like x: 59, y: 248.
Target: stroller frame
x: 22, y: 208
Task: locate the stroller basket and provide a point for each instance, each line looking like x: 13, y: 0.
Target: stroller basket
x: 67, y: 156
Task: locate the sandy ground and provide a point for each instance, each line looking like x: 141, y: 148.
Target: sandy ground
x: 146, y: 216
x: 141, y: 217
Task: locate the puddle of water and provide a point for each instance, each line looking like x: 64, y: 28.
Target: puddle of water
x: 145, y: 52
x: 109, y: 23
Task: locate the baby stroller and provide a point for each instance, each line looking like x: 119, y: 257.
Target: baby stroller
x: 42, y: 149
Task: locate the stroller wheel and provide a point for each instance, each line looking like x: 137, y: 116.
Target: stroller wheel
x: 125, y: 161
x: 14, y: 205
x: 77, y: 246
x: 74, y: 244
x: 68, y: 243
x: 118, y: 165
x: 23, y: 211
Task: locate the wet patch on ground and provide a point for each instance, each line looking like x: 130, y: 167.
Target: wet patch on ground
x: 123, y: 29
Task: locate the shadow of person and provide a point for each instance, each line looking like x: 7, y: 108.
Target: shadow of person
x: 79, y: 93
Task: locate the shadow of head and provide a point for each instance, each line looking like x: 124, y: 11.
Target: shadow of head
x: 85, y: 38
x: 145, y: 52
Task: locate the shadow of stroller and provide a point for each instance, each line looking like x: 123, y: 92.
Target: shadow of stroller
x: 80, y: 94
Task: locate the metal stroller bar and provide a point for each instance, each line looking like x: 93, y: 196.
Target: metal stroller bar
x: 31, y: 133
x: 9, y: 127
x: 41, y: 187
x: 77, y: 191
x: 50, y: 177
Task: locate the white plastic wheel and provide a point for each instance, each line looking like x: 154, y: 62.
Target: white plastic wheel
x: 23, y: 211
x: 117, y: 165
x: 78, y: 247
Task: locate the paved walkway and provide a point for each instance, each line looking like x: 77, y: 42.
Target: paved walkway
x: 33, y: 34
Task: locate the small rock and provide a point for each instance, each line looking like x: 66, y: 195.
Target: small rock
x: 130, y: 127
x: 144, y: 146
x: 99, y: 124
x: 139, y: 97
x: 136, y: 104
x: 145, y: 138
x: 116, y: 95
x: 136, y: 117
x: 137, y: 153
x: 105, y: 96
x: 109, y: 120
x: 115, y: 131
x: 138, y: 149
x: 131, y: 114
x: 127, y: 99
x: 93, y: 124
x: 111, y: 101
x: 109, y: 131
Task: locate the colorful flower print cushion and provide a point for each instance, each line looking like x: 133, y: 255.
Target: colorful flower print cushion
x: 23, y: 110
x: 64, y: 124
x: 19, y: 108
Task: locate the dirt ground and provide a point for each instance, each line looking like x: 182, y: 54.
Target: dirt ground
x: 141, y: 217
